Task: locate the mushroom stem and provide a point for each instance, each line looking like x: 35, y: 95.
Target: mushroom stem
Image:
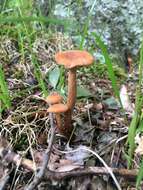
x: 58, y: 109
x: 58, y: 121
x: 68, y: 123
x: 61, y: 129
x: 71, y: 99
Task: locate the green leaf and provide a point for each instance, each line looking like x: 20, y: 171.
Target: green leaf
x: 54, y: 76
x: 82, y: 92
x: 111, y: 103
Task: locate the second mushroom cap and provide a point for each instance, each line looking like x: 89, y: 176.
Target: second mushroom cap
x: 57, y: 108
x: 54, y: 98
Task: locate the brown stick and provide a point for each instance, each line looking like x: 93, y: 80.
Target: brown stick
x: 128, y: 174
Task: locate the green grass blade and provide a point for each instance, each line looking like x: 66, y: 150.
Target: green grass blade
x: 86, y: 25
x: 131, y: 137
x: 4, y: 89
x: 108, y: 61
x: 16, y: 19
x: 38, y: 75
x: 137, y: 115
x: 133, y: 127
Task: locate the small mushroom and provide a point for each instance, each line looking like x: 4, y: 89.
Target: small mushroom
x: 58, y: 109
x: 54, y: 98
x: 72, y: 60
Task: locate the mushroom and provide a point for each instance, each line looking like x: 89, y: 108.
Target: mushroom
x: 58, y: 109
x: 72, y: 60
x: 53, y: 99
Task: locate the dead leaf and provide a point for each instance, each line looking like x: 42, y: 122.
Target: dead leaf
x: 111, y: 103
x: 139, y: 142
x: 78, y: 156
x: 67, y: 168
x: 127, y: 105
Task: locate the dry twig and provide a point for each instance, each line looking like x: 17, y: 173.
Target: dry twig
x: 53, y: 175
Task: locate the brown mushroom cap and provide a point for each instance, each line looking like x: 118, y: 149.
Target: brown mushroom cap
x: 54, y: 98
x: 74, y: 58
x: 57, y: 108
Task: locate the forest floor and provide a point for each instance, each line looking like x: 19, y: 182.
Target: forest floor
x: 100, y: 127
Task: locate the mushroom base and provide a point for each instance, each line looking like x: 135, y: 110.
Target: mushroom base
x: 67, y: 129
